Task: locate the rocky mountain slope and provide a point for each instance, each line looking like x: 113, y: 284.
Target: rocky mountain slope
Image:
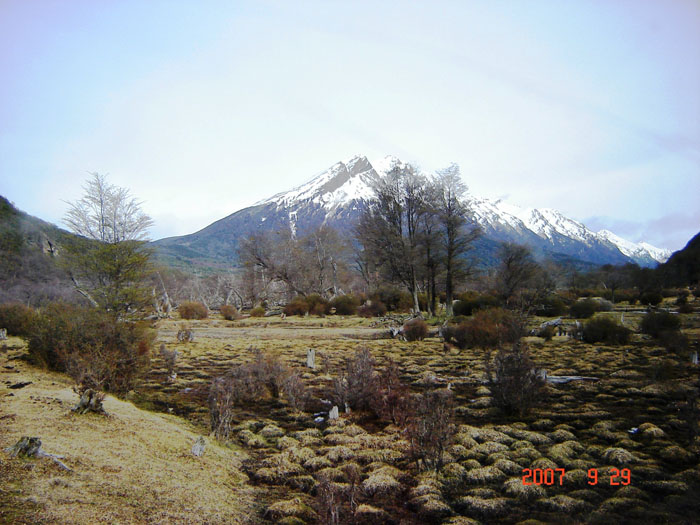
x: 337, y: 195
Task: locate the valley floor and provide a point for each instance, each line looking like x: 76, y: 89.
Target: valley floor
x: 135, y: 466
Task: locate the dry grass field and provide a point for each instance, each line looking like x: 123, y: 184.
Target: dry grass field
x: 134, y: 465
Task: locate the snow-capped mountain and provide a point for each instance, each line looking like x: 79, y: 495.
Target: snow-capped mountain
x: 337, y: 196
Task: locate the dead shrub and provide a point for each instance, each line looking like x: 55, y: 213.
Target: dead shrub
x: 392, y: 400
x: 513, y: 380
x: 169, y: 359
x: 193, y: 310
x: 415, y: 330
x: 295, y: 391
x: 229, y: 312
x: 431, y: 428
x: 95, y: 348
x: 356, y: 386
x: 185, y: 334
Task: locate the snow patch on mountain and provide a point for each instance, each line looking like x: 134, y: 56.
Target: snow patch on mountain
x: 636, y: 250
x: 348, y: 184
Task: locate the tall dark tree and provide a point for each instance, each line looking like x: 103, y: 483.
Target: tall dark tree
x: 389, y: 229
x: 457, y: 234
x: 516, y: 270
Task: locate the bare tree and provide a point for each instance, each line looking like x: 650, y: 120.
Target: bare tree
x: 107, y: 213
x: 389, y: 228
x: 516, y: 270
x: 108, y: 262
x: 457, y: 235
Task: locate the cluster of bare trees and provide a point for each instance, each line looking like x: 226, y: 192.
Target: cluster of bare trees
x: 416, y: 233
x: 315, y: 263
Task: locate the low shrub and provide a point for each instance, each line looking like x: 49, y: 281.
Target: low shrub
x: 297, y: 306
x: 584, y: 308
x: 229, y: 312
x: 415, y: 330
x: 605, y: 330
x: 17, y: 319
x: 258, y: 311
x: 655, y: 323
x: 317, y: 305
x: 551, y: 306
x: 490, y: 328
x: 193, y: 310
x: 686, y: 308
x: 471, y: 302
x: 394, y: 299
x: 513, y: 380
x: 97, y: 350
x: 682, y: 298
x: 651, y: 298
x: 345, y: 304
x: 372, y: 308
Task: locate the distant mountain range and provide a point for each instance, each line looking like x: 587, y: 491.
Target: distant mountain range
x: 337, y: 196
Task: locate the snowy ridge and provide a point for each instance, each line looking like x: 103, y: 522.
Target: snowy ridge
x: 636, y: 250
x: 347, y: 185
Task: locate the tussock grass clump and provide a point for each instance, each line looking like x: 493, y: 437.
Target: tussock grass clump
x: 676, y: 454
x: 317, y: 463
x: 508, y: 466
x: 483, y: 450
x: 651, y: 431
x: 562, y: 435
x: 369, y: 515
x: 271, y: 431
x: 483, y: 475
x: 484, y: 508
x: 295, y: 507
x: 514, y: 488
x: 380, y: 483
x: 619, y: 456
x: 562, y: 504
x: 339, y: 453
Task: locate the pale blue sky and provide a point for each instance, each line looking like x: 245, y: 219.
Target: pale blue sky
x: 202, y: 108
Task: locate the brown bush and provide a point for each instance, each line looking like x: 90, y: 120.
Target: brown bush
x: 17, y: 318
x: 193, y: 310
x: 297, y: 306
x: 258, y: 311
x: 415, y: 330
x: 317, y: 305
x: 513, y: 380
x: 97, y: 350
x: 373, y: 308
x: 345, y: 304
x: 431, y: 428
x: 229, y: 312
x: 490, y: 328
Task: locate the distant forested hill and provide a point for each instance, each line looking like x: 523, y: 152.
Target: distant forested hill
x: 683, y: 267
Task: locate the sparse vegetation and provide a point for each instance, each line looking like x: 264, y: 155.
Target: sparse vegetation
x: 513, y: 380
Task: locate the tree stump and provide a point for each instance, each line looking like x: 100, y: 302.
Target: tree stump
x: 199, y: 446
x: 25, y: 447
x: 30, y: 447
x: 90, y: 401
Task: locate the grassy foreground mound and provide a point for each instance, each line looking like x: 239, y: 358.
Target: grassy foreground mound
x: 133, y: 466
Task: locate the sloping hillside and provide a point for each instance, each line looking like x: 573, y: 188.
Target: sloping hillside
x: 29, y: 252
x: 133, y: 466
x: 683, y: 267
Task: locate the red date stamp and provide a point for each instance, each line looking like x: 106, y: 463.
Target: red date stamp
x: 555, y: 476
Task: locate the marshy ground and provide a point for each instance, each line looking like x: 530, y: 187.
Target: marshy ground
x: 634, y: 416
